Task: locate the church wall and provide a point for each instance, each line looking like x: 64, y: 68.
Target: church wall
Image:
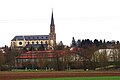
x: 13, y: 44
x: 23, y: 43
x: 35, y: 41
x: 20, y: 43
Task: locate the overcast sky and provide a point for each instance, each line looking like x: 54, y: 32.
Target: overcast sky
x: 83, y: 19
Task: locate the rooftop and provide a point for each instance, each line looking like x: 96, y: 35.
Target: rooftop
x: 31, y: 37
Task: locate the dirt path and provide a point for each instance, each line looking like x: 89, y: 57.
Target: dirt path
x: 26, y: 75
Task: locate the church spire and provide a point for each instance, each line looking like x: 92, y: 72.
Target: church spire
x: 52, y: 31
x: 52, y: 20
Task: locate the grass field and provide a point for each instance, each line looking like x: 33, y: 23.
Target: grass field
x: 80, y: 78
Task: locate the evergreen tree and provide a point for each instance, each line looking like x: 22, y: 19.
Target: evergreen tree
x: 73, y: 42
x: 78, y: 43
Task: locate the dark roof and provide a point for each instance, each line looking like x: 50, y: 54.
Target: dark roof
x: 35, y: 45
x: 18, y: 38
x: 27, y: 55
x: 31, y: 37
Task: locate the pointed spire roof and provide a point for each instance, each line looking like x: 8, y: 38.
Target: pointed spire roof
x: 52, y: 19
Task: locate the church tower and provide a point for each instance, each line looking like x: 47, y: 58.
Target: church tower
x: 52, y: 31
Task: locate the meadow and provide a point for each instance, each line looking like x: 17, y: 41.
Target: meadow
x: 80, y: 78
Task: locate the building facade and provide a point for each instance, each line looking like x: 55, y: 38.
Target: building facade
x: 36, y: 41
x: 35, y: 59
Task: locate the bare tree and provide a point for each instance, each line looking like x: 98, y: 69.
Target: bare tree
x: 2, y: 58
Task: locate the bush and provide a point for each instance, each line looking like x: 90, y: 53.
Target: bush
x: 5, y: 68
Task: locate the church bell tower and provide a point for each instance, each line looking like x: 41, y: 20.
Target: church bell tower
x: 52, y: 31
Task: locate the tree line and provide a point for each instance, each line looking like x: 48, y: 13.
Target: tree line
x: 81, y: 54
x: 95, y: 53
x: 98, y: 43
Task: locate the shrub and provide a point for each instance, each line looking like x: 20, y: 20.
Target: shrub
x: 5, y: 68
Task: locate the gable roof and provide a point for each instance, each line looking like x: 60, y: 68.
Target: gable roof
x: 31, y: 37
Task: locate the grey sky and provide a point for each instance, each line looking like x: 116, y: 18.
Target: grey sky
x: 91, y: 19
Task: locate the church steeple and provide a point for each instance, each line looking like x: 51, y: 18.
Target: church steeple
x: 52, y: 31
x: 52, y: 20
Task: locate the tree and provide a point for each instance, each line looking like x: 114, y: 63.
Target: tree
x: 31, y: 48
x: 60, y: 46
x: 73, y: 42
x: 2, y: 58
x: 86, y: 55
x: 41, y: 47
x: 10, y: 56
x: 118, y: 54
x: 101, y: 58
x: 78, y: 43
x: 42, y: 59
x: 96, y: 42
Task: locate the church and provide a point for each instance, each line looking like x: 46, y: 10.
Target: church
x: 36, y: 41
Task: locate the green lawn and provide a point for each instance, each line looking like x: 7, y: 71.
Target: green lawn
x: 80, y: 78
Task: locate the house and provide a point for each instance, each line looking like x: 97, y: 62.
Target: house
x: 110, y: 55
x: 37, y: 58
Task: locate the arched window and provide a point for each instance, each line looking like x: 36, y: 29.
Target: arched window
x: 32, y: 42
x: 37, y: 42
x: 28, y: 42
x: 46, y: 42
x: 41, y: 42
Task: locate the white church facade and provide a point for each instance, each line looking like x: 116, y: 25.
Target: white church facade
x: 36, y: 41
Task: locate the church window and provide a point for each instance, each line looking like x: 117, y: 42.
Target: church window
x: 32, y: 42
x: 42, y: 37
x: 35, y: 37
x: 46, y: 42
x: 37, y: 42
x: 31, y: 37
x: 20, y: 43
x: 41, y: 42
x: 46, y: 37
x: 28, y: 42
